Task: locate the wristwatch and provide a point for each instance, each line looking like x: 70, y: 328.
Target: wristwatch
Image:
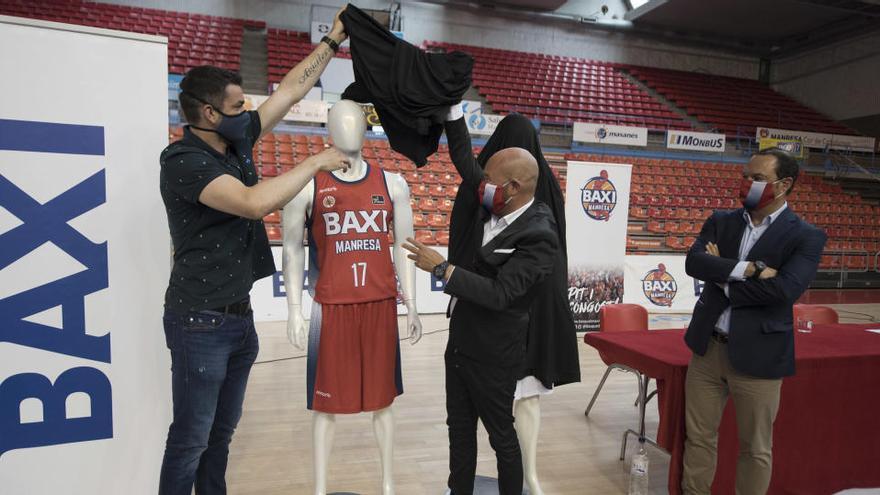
x: 439, y: 271
x: 331, y: 43
x: 760, y: 266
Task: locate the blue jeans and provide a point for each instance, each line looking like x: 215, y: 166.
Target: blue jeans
x: 211, y: 357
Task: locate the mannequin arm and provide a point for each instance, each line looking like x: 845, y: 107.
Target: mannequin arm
x: 293, y: 263
x: 406, y: 270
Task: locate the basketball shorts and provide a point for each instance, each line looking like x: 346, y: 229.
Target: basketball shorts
x: 353, y: 357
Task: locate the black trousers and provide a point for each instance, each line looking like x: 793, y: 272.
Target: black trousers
x: 479, y: 391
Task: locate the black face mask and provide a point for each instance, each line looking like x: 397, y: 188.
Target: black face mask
x: 232, y: 128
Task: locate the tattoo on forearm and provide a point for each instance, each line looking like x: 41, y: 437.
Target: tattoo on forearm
x: 313, y: 67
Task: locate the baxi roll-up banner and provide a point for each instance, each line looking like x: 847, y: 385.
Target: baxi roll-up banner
x: 660, y: 284
x: 610, y: 134
x: 85, y: 385
x: 596, y: 212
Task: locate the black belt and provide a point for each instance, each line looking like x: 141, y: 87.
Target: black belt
x: 237, y: 308
x: 720, y: 337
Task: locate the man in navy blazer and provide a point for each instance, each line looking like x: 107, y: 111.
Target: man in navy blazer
x: 756, y: 262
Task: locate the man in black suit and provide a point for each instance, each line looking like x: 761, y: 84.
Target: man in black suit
x: 490, y: 313
x: 756, y: 262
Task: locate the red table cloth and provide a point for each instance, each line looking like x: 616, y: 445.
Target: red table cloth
x: 826, y: 433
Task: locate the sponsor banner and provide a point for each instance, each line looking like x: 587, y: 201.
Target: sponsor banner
x: 610, y: 134
x: 304, y: 111
x: 596, y: 212
x: 660, y: 284
x: 478, y: 123
x: 269, y: 298
x: 85, y: 384
x: 796, y: 148
x: 695, y: 141
x: 818, y: 140
x: 482, y: 124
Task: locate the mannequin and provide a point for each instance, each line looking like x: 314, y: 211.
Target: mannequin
x: 347, y: 125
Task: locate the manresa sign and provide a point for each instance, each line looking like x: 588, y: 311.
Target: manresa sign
x: 695, y: 141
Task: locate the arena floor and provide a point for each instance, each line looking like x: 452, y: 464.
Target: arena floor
x: 272, y: 454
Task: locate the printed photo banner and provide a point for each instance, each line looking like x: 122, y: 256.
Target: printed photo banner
x: 660, y: 284
x: 596, y: 212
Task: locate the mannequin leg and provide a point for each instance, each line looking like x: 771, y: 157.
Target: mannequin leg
x: 323, y: 430
x: 527, y: 421
x: 383, y: 427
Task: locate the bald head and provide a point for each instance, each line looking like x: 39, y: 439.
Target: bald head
x: 517, y: 167
x: 514, y: 164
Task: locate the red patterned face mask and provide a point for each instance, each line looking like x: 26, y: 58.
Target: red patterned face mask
x: 756, y: 194
x: 492, y: 197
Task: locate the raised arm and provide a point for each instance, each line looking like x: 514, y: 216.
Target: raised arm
x: 300, y: 79
x: 460, y: 149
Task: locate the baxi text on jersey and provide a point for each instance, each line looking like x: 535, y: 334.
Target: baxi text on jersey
x: 359, y: 222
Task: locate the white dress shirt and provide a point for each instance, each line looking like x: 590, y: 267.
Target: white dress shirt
x: 496, y: 225
x: 750, y: 237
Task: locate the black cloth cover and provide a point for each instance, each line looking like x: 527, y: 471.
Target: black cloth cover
x: 412, y: 90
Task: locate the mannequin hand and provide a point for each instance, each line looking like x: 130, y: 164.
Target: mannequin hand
x: 296, y: 329
x: 413, y: 323
x: 337, y: 32
x: 329, y: 160
x: 455, y: 112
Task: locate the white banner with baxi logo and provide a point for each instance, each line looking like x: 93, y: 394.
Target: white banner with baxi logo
x: 85, y: 385
x: 596, y: 214
x: 660, y: 284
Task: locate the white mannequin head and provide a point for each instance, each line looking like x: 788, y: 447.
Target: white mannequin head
x: 347, y: 124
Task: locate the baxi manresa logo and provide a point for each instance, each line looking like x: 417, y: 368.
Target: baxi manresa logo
x: 601, y: 133
x: 599, y: 197
x: 659, y: 286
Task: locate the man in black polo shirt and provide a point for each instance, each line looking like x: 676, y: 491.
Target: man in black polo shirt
x: 215, y: 208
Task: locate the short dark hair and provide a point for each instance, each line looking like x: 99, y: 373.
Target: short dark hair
x: 204, y: 84
x: 786, y: 164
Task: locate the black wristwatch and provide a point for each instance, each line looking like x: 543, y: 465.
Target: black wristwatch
x: 760, y: 266
x: 331, y: 43
x: 439, y: 271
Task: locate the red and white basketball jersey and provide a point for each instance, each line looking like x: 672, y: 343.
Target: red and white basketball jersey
x: 349, y: 239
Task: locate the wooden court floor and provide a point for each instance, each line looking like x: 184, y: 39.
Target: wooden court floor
x: 272, y: 454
